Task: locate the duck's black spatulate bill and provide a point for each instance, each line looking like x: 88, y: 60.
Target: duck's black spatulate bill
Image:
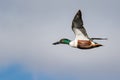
x: 56, y: 43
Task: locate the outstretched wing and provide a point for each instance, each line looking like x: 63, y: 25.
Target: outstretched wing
x: 77, y: 27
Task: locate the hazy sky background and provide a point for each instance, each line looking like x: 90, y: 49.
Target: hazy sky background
x: 29, y: 27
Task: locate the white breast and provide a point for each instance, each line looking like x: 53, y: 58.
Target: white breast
x: 73, y: 43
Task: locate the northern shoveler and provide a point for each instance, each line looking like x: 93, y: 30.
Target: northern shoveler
x: 82, y: 40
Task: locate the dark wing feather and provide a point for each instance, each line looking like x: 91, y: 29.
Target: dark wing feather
x: 77, y: 25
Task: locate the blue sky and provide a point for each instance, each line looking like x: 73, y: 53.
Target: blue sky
x: 29, y: 27
x: 14, y: 72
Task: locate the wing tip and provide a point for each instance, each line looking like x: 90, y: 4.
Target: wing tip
x: 79, y: 12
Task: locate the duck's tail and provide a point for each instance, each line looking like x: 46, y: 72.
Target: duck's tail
x: 99, y: 38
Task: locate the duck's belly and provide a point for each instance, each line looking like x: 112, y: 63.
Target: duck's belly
x: 84, y: 44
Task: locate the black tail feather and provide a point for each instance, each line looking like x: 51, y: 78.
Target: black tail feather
x: 99, y: 38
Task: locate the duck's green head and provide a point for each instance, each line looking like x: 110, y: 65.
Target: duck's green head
x: 62, y: 41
